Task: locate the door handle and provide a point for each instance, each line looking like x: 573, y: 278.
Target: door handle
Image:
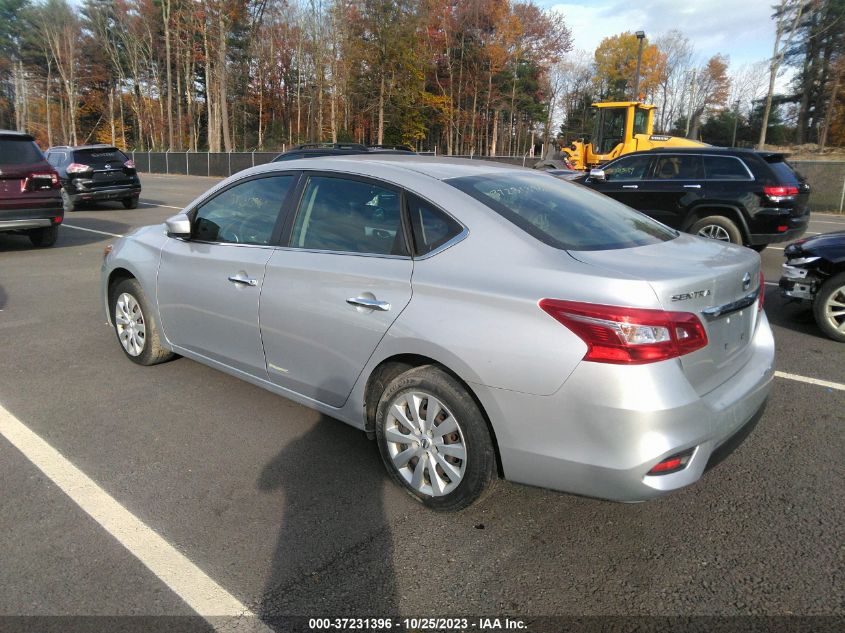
x: 692, y: 186
x: 630, y: 186
x: 246, y: 281
x: 372, y: 304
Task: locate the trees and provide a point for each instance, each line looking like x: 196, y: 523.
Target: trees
x: 616, y: 64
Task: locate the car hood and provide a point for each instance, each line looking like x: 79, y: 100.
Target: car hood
x: 830, y: 246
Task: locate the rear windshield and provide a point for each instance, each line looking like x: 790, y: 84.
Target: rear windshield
x: 784, y: 172
x: 562, y: 214
x: 19, y: 151
x: 99, y: 156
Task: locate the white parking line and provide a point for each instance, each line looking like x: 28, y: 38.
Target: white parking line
x: 772, y: 283
x: 184, y: 578
x: 828, y: 222
x: 82, y: 228
x: 164, y: 206
x: 811, y: 381
x: 777, y: 248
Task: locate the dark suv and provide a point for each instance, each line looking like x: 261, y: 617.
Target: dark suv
x: 735, y: 195
x: 315, y: 150
x: 93, y: 173
x: 30, y: 201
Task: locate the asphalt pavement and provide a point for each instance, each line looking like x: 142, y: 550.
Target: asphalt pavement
x: 292, y: 513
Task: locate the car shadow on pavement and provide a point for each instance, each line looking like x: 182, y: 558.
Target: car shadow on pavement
x: 334, y: 553
x: 790, y: 315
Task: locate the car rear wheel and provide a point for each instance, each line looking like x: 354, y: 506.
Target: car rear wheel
x: 717, y: 227
x: 68, y: 204
x: 43, y: 238
x: 829, y: 308
x: 130, y: 203
x: 434, y: 440
x: 135, y: 325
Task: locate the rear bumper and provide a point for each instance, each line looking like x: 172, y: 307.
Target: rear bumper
x: 763, y: 228
x: 105, y: 193
x: 15, y: 219
x: 608, y: 425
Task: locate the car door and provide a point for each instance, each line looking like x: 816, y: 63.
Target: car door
x: 622, y: 179
x: 209, y: 285
x: 673, y: 186
x: 331, y: 294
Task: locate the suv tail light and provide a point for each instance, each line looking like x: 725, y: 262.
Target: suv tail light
x: 40, y: 181
x: 780, y: 192
x: 77, y: 168
x: 628, y: 336
x: 129, y: 164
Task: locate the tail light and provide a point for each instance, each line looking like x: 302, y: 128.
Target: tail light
x: 129, y: 164
x: 40, y: 181
x: 762, y: 295
x: 672, y: 464
x: 780, y: 192
x: 628, y: 336
x: 78, y: 168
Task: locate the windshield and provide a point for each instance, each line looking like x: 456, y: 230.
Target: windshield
x: 562, y: 214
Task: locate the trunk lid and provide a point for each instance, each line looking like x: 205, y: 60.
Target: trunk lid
x: 690, y: 274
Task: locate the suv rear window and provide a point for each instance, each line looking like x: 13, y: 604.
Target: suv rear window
x: 19, y: 151
x: 99, y: 156
x: 563, y: 215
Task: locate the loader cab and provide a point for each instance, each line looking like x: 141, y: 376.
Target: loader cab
x: 616, y: 125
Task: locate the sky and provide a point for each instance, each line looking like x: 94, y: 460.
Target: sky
x: 740, y: 29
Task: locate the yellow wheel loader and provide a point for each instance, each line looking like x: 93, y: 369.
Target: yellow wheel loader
x: 621, y: 127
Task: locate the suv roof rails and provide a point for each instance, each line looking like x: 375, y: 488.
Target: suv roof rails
x: 356, y: 146
x: 403, y: 148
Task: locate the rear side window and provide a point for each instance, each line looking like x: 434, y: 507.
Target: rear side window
x: 678, y: 167
x: 15, y: 151
x: 563, y: 215
x: 349, y: 216
x: 432, y: 228
x: 99, y: 156
x: 725, y: 168
x: 783, y: 172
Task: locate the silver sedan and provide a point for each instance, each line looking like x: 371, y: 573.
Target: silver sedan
x: 478, y: 320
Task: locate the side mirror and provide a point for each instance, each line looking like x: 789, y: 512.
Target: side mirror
x: 598, y: 174
x: 178, y: 226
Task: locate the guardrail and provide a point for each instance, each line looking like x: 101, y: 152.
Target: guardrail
x: 827, y: 178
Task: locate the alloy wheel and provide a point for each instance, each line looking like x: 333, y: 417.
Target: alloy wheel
x: 425, y: 443
x: 834, y: 309
x: 714, y: 232
x: 130, y: 324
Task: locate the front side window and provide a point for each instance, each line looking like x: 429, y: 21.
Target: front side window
x: 432, y: 228
x: 628, y: 168
x: 563, y: 215
x: 678, y: 167
x: 349, y: 216
x: 640, y: 121
x: 244, y: 214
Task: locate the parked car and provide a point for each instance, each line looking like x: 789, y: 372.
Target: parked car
x: 814, y: 272
x: 473, y: 317
x: 317, y: 150
x: 734, y: 195
x: 30, y: 201
x: 95, y: 173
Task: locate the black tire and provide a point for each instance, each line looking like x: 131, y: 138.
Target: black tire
x: 130, y: 203
x: 833, y: 288
x: 68, y: 204
x: 716, y: 222
x: 152, y: 351
x: 44, y: 238
x: 479, y: 462
x: 758, y: 247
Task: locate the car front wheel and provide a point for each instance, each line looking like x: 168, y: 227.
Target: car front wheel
x: 434, y: 440
x: 829, y: 308
x: 135, y: 324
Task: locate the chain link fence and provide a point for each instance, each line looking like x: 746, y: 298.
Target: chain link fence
x: 827, y: 178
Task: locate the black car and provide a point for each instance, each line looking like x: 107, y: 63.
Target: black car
x: 815, y: 272
x: 315, y: 150
x: 735, y: 195
x: 30, y: 202
x: 92, y: 173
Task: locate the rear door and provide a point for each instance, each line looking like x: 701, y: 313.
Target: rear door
x: 209, y: 286
x: 331, y: 294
